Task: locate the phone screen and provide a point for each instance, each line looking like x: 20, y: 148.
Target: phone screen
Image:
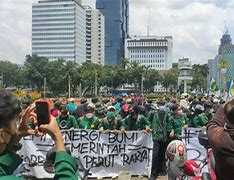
x: 43, y: 115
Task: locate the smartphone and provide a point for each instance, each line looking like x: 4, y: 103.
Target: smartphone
x: 43, y: 112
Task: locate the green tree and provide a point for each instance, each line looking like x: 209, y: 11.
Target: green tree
x: 151, y: 77
x: 170, y: 79
x: 199, y: 74
x: 11, y: 72
x: 35, y: 70
x: 119, y: 73
x: 134, y: 73
x: 105, y: 76
x: 56, y: 77
x: 88, y: 71
x: 72, y: 69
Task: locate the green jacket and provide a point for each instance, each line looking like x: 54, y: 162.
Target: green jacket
x: 8, y: 163
x: 67, y: 122
x: 116, y: 124
x: 199, y: 120
x: 155, y: 119
x: 176, y: 124
x: 85, y: 123
x: 140, y: 123
x: 209, y: 116
x: 65, y: 166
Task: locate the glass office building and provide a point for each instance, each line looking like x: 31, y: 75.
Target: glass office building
x: 225, y: 52
x: 58, y: 30
x: 116, y: 14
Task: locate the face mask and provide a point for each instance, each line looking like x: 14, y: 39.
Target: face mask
x: 110, y: 116
x: 211, y: 110
x: 89, y: 115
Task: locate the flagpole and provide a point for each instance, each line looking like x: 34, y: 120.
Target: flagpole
x: 230, y: 93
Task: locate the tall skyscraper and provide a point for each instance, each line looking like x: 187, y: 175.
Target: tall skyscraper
x: 226, y: 53
x: 95, y: 35
x: 116, y: 14
x: 153, y: 51
x: 58, y: 30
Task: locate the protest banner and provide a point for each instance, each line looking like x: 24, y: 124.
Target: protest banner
x: 195, y: 151
x: 129, y: 151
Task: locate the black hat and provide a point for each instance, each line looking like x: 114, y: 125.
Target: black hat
x: 83, y: 100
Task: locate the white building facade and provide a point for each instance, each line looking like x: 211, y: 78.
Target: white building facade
x: 95, y: 35
x: 58, y: 30
x: 152, y: 51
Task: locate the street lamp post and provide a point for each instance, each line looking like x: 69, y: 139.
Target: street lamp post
x: 44, y: 87
x: 96, y: 88
x: 112, y: 85
x: 69, y: 87
x: 142, y: 84
x: 1, y: 80
x: 112, y: 82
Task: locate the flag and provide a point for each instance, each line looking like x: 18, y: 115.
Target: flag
x: 231, y: 89
x: 213, y: 86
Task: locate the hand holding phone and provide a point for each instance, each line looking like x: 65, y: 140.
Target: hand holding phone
x: 43, y: 112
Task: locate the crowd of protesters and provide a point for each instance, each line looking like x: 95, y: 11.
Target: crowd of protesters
x: 165, y: 118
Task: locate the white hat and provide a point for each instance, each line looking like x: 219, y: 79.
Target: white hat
x: 91, y: 106
x: 110, y: 107
x: 71, y: 100
x: 215, y: 100
x: 199, y: 107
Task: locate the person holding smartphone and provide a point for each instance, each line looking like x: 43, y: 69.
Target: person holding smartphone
x: 220, y: 131
x: 13, y: 128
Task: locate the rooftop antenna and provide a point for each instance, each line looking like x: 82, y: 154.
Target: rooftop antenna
x: 148, y: 26
x: 225, y: 27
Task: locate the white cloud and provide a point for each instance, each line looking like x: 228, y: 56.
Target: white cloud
x: 15, y: 18
x: 231, y: 3
x: 194, y: 24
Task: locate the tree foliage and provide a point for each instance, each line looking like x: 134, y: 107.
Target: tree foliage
x: 55, y: 77
x: 57, y: 73
x: 170, y: 79
x: 199, y: 74
x: 12, y: 73
x: 35, y: 70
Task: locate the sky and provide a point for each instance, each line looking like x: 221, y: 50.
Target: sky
x: 195, y: 25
